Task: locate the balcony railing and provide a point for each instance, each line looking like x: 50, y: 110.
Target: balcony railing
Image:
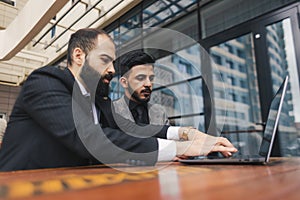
x: 12, y: 3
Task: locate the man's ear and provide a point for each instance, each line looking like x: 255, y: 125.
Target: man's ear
x: 123, y: 81
x: 78, y: 56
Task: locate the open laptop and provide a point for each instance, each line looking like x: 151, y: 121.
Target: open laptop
x: 267, y: 140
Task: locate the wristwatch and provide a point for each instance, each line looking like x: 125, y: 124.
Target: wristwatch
x: 185, y: 135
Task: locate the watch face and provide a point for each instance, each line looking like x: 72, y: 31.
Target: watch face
x: 184, y: 135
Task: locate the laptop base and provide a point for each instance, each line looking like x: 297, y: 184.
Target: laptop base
x: 242, y: 160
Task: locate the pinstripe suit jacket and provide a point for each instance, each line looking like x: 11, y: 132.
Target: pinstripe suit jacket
x: 44, y: 132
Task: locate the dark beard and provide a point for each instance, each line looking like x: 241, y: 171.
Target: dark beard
x: 102, y: 89
x: 93, y: 81
x: 135, y: 96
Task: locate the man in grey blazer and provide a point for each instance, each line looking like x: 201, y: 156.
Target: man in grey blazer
x: 137, y: 74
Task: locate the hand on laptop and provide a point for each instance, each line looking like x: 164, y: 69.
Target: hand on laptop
x: 223, y: 146
x: 198, y: 143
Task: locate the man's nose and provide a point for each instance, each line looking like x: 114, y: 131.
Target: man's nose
x: 111, y: 68
x: 148, y: 82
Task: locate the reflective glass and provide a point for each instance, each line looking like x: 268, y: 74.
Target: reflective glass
x: 282, y: 61
x: 223, y: 14
x: 160, y: 12
x: 130, y: 28
x: 236, y: 92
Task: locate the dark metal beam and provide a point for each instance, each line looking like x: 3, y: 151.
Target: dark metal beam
x: 178, y: 82
x: 79, y: 18
x: 73, y: 5
x: 93, y: 23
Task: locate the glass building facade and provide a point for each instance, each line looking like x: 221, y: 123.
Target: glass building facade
x: 219, y: 63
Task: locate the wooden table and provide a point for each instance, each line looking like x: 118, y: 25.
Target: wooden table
x: 280, y: 179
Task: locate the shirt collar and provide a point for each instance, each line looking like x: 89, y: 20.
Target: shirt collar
x: 84, y: 92
x: 132, y: 104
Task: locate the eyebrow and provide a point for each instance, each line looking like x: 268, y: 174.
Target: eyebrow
x: 144, y: 75
x: 107, y: 56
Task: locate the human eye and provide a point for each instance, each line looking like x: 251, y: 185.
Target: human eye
x: 105, y: 59
x: 151, y: 78
x: 140, y: 77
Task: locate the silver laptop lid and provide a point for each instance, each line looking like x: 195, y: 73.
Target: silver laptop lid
x: 272, y: 121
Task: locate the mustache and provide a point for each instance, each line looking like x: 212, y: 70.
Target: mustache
x: 147, y: 89
x: 108, y: 76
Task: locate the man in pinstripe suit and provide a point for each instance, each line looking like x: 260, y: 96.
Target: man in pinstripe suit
x: 54, y: 120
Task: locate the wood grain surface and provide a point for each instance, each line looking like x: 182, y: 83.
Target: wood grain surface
x: 280, y: 179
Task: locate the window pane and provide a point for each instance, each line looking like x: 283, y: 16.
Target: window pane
x: 236, y: 92
x: 178, y: 71
x: 183, y: 35
x: 160, y: 12
x: 223, y: 14
x: 183, y: 101
x: 130, y: 27
x: 282, y: 61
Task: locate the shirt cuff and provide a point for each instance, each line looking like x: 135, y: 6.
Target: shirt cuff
x: 166, y: 150
x: 172, y: 133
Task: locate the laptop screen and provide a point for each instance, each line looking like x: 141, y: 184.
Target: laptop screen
x: 272, y: 121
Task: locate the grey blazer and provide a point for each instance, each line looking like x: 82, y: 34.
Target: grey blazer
x: 156, y: 112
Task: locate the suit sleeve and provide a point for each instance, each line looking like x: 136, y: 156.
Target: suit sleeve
x: 50, y: 103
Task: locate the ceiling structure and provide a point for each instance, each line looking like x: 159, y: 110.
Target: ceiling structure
x: 34, y: 33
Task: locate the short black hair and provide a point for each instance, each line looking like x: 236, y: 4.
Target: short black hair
x: 85, y: 39
x: 133, y: 58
